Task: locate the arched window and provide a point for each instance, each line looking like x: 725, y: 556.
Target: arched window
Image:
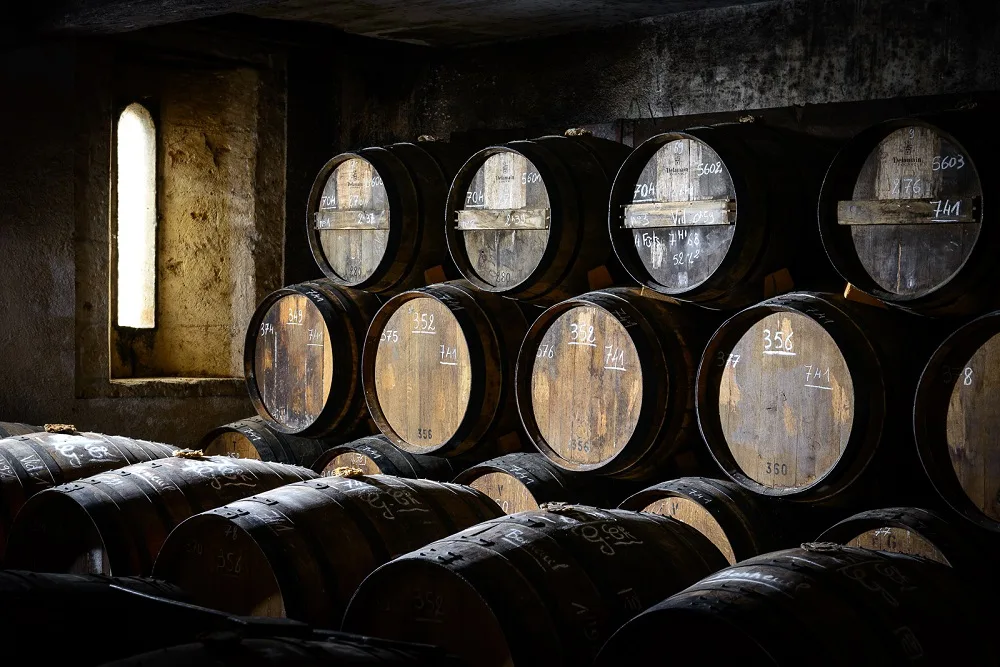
x: 136, y: 237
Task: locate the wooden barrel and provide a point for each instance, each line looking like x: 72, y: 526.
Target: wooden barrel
x: 254, y: 438
x: 912, y: 531
x: 538, y: 588
x: 956, y: 422
x: 301, y: 550
x: 834, y: 605
x: 31, y: 463
x: 376, y: 455
x: 798, y: 395
x: 302, y: 356
x: 374, y: 215
x: 903, y: 215
x: 605, y: 382
x: 339, y: 650
x: 706, y: 215
x: 438, y: 367
x: 722, y: 511
x: 526, y: 219
x: 115, y: 522
x: 523, y: 481
x: 8, y: 429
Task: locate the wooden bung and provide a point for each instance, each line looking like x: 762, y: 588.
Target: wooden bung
x: 714, y: 215
x: 801, y: 395
x: 836, y: 605
x: 376, y: 455
x: 526, y: 219
x: 115, y: 522
x: 31, y: 463
x: 254, y: 438
x: 605, y: 382
x: 374, y: 215
x: 912, y: 531
x: 956, y: 421
x: 903, y: 214
x: 544, y: 587
x: 8, y: 429
x: 523, y: 481
x: 722, y: 511
x: 438, y: 369
x: 301, y: 550
x: 302, y: 357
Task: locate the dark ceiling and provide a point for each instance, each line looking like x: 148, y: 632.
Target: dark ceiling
x: 430, y: 22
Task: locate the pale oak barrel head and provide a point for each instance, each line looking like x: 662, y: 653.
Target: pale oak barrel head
x: 689, y: 512
x: 509, y: 493
x: 792, y: 399
x: 898, y: 540
x: 302, y: 354
x: 956, y: 421
x: 362, y: 462
x: 682, y: 215
x: 586, y: 386
x: 352, y: 221
x: 904, y: 216
x: 437, y: 370
x: 255, y: 438
x: 293, y: 364
x: 423, y: 347
x: 378, y: 455
x: 233, y: 444
x: 523, y: 481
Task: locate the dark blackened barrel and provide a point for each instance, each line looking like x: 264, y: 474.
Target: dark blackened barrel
x: 376, y: 455
x: 523, y: 481
x: 800, y: 395
x: 438, y: 370
x: 8, y: 429
x: 915, y: 532
x: 709, y: 214
x: 904, y: 216
x: 254, y: 438
x: 722, y: 511
x: 834, y: 605
x: 338, y: 650
x: 605, y: 381
x: 525, y: 219
x: 31, y: 463
x: 374, y: 215
x: 956, y: 421
x: 302, y: 357
x: 301, y: 551
x: 115, y: 523
x: 538, y: 588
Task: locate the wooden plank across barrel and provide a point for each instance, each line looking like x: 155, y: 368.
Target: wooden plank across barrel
x: 525, y: 219
x: 373, y: 219
x: 545, y: 587
x: 605, y: 381
x: 805, y: 396
x: 438, y: 370
x: 706, y: 215
x: 115, y: 522
x: 301, y: 550
x: 302, y: 357
x: 38, y: 461
x: 956, y: 421
x: 904, y: 216
x: 376, y: 455
x: 888, y: 609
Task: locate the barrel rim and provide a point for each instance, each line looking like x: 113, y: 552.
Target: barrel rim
x: 931, y: 434
x: 648, y: 411
x: 869, y: 408
x: 739, y: 252
x: 556, y: 183
x: 839, y: 246
x: 403, y: 203
x: 340, y: 399
x: 237, y: 427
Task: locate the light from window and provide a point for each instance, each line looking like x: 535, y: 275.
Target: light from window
x: 136, y: 218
